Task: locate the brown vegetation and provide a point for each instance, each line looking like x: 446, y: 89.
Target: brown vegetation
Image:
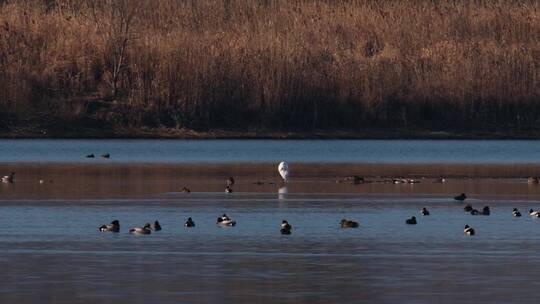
x: 274, y: 65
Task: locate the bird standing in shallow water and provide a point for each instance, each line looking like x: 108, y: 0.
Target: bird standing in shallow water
x: 468, y: 230
x: 283, y: 170
x: 461, y: 197
x: 486, y: 211
x: 8, y: 178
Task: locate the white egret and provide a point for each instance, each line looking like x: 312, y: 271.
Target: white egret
x: 283, y: 170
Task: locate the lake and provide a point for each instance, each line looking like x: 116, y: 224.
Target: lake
x: 52, y: 252
x: 264, y: 151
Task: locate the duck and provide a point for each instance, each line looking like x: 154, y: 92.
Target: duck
x: 411, y: 221
x: 533, y: 180
x: 468, y: 208
x: 485, y: 210
x: 468, y: 230
x: 224, y: 220
x: 114, y: 226
x: 8, y: 178
x: 285, y: 227
x: 90, y: 155
x: 186, y: 190
x: 141, y: 231
x: 156, y: 226
x: 106, y: 155
x: 516, y: 213
x: 189, y: 223
x: 228, y: 189
x: 424, y: 211
x: 474, y: 212
x: 230, y: 181
x: 461, y: 197
x: 348, y: 224
x: 534, y: 213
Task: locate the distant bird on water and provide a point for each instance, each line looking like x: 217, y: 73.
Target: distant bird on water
x: 114, y: 226
x: 516, y: 212
x: 460, y: 197
x: 156, y: 226
x: 344, y: 223
x: 424, y: 211
x: 106, y: 155
x: 141, y: 231
x: 186, y: 190
x: 285, y: 227
x: 8, y: 178
x: 468, y: 208
x: 228, y: 189
x: 189, y: 223
x: 411, y: 221
x: 534, y: 213
x: 468, y: 230
x: 90, y: 155
x: 230, y: 181
x: 283, y: 170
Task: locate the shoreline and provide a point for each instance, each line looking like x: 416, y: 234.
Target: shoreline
x: 169, y: 133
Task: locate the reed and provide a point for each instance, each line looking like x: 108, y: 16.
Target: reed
x: 273, y: 64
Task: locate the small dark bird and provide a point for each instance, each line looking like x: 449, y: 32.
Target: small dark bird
x: 114, y: 226
x: 411, y: 221
x: 468, y: 208
x: 228, y: 189
x: 468, y: 230
x: 348, y: 224
x: 474, y: 212
x: 516, y: 212
x: 460, y: 197
x: 189, y: 223
x: 90, y: 155
x: 285, y: 227
x: 230, y: 181
x: 424, y: 211
x: 186, y: 190
x: 485, y: 211
x: 106, y: 155
x: 156, y: 226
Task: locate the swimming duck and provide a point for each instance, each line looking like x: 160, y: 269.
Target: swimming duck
x: 228, y: 189
x: 348, y: 224
x: 460, y: 197
x: 474, y: 212
x: 285, y: 227
x: 156, y: 226
x: 141, y: 231
x: 411, y: 221
x: 534, y: 213
x: 189, y: 223
x: 468, y: 230
x: 516, y: 213
x: 230, y: 181
x: 485, y: 210
x: 114, y: 226
x: 90, y: 155
x: 8, y: 178
x: 424, y: 211
x: 224, y: 220
x: 468, y: 208
x: 186, y: 190
x: 106, y: 155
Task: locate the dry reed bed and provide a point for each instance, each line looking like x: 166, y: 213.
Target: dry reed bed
x: 273, y: 64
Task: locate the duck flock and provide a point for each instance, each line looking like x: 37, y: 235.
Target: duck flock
x: 285, y: 228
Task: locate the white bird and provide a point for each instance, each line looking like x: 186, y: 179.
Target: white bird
x: 8, y: 178
x: 534, y: 213
x: 283, y: 170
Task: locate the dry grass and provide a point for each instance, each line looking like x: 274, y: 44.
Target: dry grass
x: 273, y: 64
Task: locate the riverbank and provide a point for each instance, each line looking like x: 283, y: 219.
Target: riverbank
x: 172, y: 133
